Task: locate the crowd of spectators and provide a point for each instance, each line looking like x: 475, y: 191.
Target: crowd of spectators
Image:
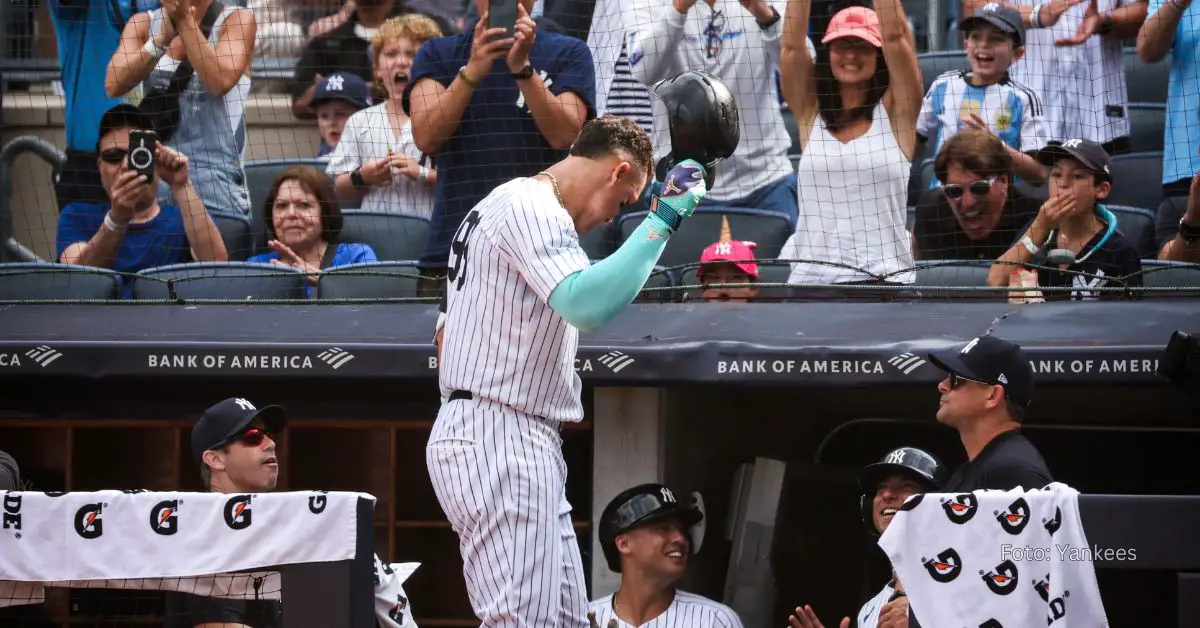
x: 421, y: 110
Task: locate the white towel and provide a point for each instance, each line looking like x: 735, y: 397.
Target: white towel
x: 996, y: 559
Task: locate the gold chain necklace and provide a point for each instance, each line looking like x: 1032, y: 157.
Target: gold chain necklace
x: 557, y: 192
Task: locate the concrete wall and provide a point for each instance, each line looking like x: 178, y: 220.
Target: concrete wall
x: 273, y: 134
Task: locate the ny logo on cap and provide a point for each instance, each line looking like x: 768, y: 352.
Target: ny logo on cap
x: 970, y: 345
x: 1072, y: 143
x: 336, y: 82
x: 896, y: 457
x: 724, y: 248
x: 667, y: 495
x: 991, y: 7
x: 245, y: 405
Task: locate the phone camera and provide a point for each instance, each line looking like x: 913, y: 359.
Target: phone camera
x: 141, y: 157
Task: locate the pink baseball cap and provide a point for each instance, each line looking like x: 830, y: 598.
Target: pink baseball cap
x: 739, y: 252
x: 858, y: 22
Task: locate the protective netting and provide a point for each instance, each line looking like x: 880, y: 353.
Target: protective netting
x: 320, y: 150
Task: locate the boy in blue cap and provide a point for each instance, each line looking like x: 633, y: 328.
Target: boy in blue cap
x: 338, y: 96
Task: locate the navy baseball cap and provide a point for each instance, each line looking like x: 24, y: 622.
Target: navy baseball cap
x: 345, y: 86
x: 1090, y: 154
x: 123, y: 116
x: 994, y: 361
x: 1001, y: 16
x: 10, y: 473
x: 229, y: 418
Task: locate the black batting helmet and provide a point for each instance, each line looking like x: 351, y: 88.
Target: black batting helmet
x: 638, y: 506
x: 916, y: 464
x: 702, y: 116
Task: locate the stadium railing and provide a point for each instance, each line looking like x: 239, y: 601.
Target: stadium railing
x: 310, y: 551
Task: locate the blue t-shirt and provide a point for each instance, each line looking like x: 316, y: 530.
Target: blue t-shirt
x: 344, y: 255
x: 158, y: 242
x: 89, y: 32
x: 1180, y: 158
x: 496, y: 140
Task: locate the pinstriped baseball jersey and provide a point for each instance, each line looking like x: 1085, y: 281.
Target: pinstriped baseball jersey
x: 688, y: 610
x: 1082, y: 87
x: 503, y: 341
x: 868, y: 615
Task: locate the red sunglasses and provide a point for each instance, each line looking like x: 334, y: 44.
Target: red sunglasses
x: 252, y: 437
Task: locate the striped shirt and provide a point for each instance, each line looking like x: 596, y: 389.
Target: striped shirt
x: 368, y: 136
x: 687, y: 610
x: 868, y: 615
x: 1011, y: 110
x: 502, y: 340
x: 628, y: 98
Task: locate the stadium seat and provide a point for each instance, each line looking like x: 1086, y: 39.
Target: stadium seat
x: 789, y: 121
x: 934, y: 64
x: 395, y: 237
x: 260, y: 176
x: 371, y: 280
x: 41, y: 280
x: 768, y: 229
x: 955, y: 273
x: 236, y: 233
x: 1146, y: 123
x: 1137, y: 180
x: 1146, y: 82
x: 919, y: 179
x: 1166, y: 219
x: 220, y: 280
x: 769, y: 271
x: 1161, y: 274
x: 598, y: 243
x: 1137, y: 225
x: 659, y: 278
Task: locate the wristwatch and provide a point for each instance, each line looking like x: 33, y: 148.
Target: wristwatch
x: 356, y: 178
x: 524, y: 73
x: 1189, y: 233
x: 774, y: 19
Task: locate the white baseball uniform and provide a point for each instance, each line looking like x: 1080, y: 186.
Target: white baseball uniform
x: 687, y: 610
x: 868, y: 615
x: 495, y: 458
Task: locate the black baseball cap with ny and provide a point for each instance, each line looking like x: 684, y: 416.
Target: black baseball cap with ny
x: 993, y: 361
x: 225, y: 421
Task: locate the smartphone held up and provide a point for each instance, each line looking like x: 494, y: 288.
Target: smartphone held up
x: 503, y: 14
x: 142, y: 144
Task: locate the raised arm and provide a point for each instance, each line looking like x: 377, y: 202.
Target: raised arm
x: 559, y: 113
x: 796, y: 78
x: 203, y: 236
x: 1047, y: 15
x: 131, y: 63
x: 1157, y: 36
x: 652, y: 45
x: 906, y: 90
x: 218, y: 67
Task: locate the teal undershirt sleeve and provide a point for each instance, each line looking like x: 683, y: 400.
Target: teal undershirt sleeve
x: 591, y: 297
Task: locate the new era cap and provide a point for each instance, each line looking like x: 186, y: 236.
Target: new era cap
x: 1090, y: 154
x: 999, y: 15
x: 229, y: 418
x: 994, y: 361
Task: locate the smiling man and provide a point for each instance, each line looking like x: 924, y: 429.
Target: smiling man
x: 646, y: 535
x: 977, y: 212
x: 885, y: 485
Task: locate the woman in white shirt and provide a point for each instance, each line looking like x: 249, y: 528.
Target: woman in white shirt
x: 376, y: 161
x: 856, y: 108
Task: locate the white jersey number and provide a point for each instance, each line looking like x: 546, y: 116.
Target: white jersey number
x: 458, y: 249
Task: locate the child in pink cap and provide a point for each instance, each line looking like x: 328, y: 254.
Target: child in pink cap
x: 725, y: 262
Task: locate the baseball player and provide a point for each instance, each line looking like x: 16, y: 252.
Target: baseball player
x: 647, y: 536
x: 519, y: 290
x: 885, y: 486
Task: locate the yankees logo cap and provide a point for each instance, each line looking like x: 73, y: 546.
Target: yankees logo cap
x: 345, y: 86
x: 230, y: 417
x: 994, y: 361
x: 1090, y: 154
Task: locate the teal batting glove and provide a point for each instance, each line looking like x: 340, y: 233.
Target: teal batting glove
x: 680, y: 194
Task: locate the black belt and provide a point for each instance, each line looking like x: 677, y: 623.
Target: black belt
x: 461, y: 395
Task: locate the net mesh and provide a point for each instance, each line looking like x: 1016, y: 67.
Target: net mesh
x: 307, y: 179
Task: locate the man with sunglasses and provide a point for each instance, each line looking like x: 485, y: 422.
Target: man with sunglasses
x: 977, y: 213
x: 984, y: 397
x: 234, y: 444
x: 132, y: 231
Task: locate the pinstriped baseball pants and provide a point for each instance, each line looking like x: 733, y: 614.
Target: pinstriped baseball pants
x: 500, y: 477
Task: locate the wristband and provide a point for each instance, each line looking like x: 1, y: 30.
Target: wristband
x: 462, y: 74
x: 113, y: 226
x: 1035, y: 17
x: 154, y: 49
x: 1178, y: 7
x: 423, y: 174
x: 775, y: 17
x: 356, y: 178
x: 1029, y: 245
x: 1189, y: 233
x: 1106, y: 25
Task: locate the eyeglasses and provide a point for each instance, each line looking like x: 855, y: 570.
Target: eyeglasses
x: 114, y: 155
x: 252, y: 437
x: 954, y: 191
x: 713, y: 32
x: 956, y: 380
